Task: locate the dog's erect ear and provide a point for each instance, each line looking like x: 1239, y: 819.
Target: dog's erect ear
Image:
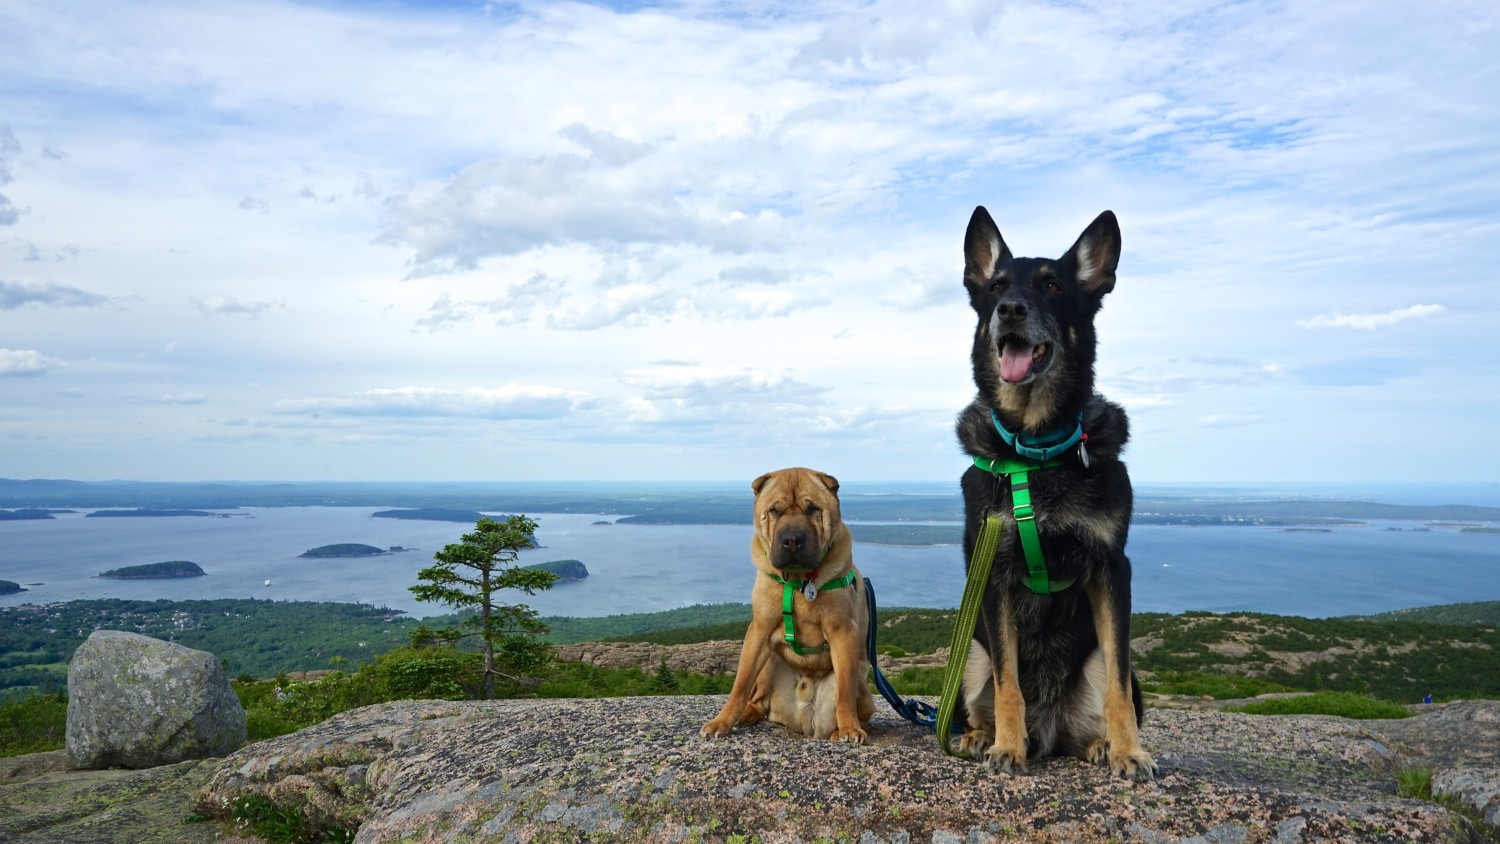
x: 1097, y: 254
x: 755, y: 485
x: 984, y: 250
x: 829, y: 481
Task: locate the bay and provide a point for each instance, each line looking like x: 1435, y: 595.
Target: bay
x: 645, y: 568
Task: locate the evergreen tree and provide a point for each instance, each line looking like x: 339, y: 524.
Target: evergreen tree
x: 468, y: 574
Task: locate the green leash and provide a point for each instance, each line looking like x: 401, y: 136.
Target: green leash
x: 985, y: 548
x: 963, y: 628
x: 810, y: 591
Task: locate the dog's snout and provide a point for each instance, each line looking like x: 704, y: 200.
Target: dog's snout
x: 793, y: 541
x: 1012, y: 309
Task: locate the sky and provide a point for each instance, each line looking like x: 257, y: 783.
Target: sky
x: 396, y: 241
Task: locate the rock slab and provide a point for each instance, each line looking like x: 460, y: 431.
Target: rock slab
x: 634, y: 769
x: 139, y: 702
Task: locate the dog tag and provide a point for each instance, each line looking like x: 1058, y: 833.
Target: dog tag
x: 810, y: 591
x: 1083, y: 455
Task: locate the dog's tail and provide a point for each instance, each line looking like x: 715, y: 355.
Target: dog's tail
x: 1135, y: 698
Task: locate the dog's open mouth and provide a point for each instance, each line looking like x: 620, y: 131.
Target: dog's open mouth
x: 1017, y: 357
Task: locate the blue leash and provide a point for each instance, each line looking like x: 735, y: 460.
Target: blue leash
x: 918, y: 712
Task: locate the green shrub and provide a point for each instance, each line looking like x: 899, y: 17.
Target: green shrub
x: 1343, y: 704
x: 1218, y: 686
x: 33, y: 724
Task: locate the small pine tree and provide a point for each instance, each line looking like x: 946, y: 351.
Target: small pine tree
x: 468, y: 574
x: 665, y: 678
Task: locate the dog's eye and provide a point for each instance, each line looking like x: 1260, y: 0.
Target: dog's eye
x: 773, y: 513
x: 1053, y: 287
x: 995, y: 285
x: 813, y: 511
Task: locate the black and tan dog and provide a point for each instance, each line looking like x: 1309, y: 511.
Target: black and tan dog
x: 1049, y: 671
x: 806, y: 588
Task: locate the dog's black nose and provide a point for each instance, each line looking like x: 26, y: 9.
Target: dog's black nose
x: 1011, y: 309
x: 793, y: 540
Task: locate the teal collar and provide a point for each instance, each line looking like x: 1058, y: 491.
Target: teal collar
x: 810, y: 590
x: 1017, y: 473
x: 1044, y: 447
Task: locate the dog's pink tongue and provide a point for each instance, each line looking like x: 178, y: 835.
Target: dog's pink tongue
x: 1015, y: 360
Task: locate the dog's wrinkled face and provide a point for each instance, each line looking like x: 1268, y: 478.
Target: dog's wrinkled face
x: 1035, y: 338
x: 796, y: 516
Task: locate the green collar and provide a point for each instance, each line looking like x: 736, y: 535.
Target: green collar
x: 1016, y: 471
x: 810, y: 591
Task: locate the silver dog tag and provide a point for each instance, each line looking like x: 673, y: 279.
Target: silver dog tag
x: 810, y: 591
x: 1083, y: 455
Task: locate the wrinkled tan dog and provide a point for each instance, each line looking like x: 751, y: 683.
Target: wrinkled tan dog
x: 807, y: 591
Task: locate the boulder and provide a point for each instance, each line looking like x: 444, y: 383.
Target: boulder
x: 138, y: 702
x: 635, y: 770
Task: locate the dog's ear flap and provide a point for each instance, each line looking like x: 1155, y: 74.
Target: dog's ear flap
x: 984, y: 250
x: 1097, y: 254
x: 758, y: 483
x: 829, y: 481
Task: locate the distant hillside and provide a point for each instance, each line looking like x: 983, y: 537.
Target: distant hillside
x: 172, y: 568
x: 1483, y: 612
x: 19, y: 515
x: 10, y: 587
x: 150, y: 513
x: 1396, y: 660
x: 432, y: 514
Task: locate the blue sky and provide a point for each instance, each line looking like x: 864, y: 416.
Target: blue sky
x: 269, y: 240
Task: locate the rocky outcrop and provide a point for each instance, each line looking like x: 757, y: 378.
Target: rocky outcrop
x: 43, y: 801
x: 139, y: 702
x: 634, y: 769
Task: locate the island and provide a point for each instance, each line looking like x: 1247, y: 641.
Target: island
x: 148, y: 511
x: 350, y: 549
x: 10, y: 587
x: 567, y: 571
x: 436, y: 514
x: 910, y: 535
x: 171, y: 568
x: 24, y: 513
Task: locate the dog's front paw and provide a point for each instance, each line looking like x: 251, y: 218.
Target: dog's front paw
x: 854, y: 735
x: 1097, y: 752
x: 973, y: 743
x: 1135, y: 765
x: 751, y: 716
x: 1006, y: 760
x: 719, y: 726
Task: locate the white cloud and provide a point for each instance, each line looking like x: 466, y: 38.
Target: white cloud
x: 511, y: 401
x: 180, y: 398
x: 25, y: 362
x: 229, y: 306
x: 14, y: 294
x: 1371, y: 322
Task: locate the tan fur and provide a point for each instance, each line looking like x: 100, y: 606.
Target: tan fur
x: 822, y: 695
x: 1122, y: 740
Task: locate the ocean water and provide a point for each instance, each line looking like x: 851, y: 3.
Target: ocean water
x: 644, y: 568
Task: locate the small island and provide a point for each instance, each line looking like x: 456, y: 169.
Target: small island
x: 352, y: 549
x: 24, y: 513
x: 567, y: 571
x: 10, y: 587
x: 171, y: 568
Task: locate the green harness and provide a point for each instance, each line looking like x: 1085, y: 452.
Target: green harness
x: 810, y: 590
x: 1015, y: 471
